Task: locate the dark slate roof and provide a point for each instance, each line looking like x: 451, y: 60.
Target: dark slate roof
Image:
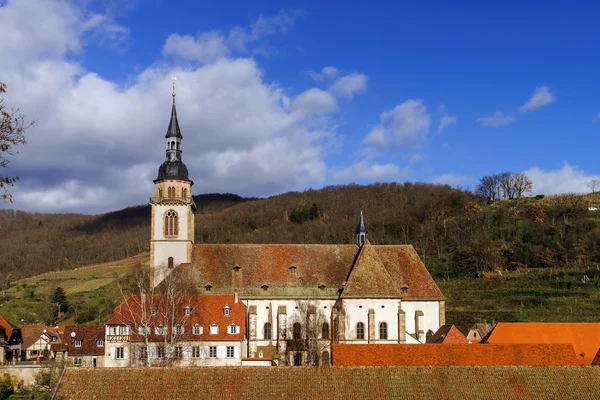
x: 360, y: 228
x: 173, y: 129
x: 172, y: 170
x: 265, y: 270
x: 320, y: 383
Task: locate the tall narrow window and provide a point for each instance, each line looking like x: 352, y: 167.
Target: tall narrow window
x: 360, y: 330
x: 171, y: 223
x: 184, y: 193
x: 267, y: 332
x: 170, y: 262
x: 297, y: 331
x: 325, y: 331
x: 383, y: 331
x: 172, y: 145
x: 159, y: 192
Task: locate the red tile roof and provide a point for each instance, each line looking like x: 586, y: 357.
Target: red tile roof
x: 453, y: 354
x: 264, y: 270
x: 585, y: 336
x: 7, y: 326
x: 326, y: 383
x: 448, y: 334
x: 205, y: 310
x: 88, y: 335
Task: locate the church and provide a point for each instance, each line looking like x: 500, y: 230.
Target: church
x: 299, y: 298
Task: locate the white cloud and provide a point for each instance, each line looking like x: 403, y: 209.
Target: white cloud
x: 540, y: 97
x: 314, y: 101
x: 452, y: 179
x: 446, y: 121
x: 327, y: 73
x: 364, y: 170
x: 416, y: 158
x: 206, y: 47
x: 407, y: 122
x: 97, y: 144
x: 497, y: 120
x: 211, y: 46
x: 349, y: 85
x: 568, y: 179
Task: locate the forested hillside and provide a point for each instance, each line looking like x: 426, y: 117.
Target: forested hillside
x: 455, y: 232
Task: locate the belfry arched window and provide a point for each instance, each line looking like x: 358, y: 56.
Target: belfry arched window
x: 171, y: 223
x: 171, y: 192
x: 184, y: 193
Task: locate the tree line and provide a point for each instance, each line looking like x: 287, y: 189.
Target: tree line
x: 504, y: 186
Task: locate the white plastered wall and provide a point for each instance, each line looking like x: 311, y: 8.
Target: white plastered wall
x: 430, y: 319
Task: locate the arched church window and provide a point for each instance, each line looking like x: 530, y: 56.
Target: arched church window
x: 325, y: 358
x: 383, y: 332
x: 267, y: 331
x: 297, y: 331
x: 360, y: 330
x: 428, y: 335
x: 170, y: 262
x: 171, y: 223
x: 178, y: 145
x: 325, y: 331
x: 184, y: 193
x: 159, y: 192
x: 172, y: 145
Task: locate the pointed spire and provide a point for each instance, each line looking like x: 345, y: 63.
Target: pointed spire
x: 360, y: 228
x: 173, y: 130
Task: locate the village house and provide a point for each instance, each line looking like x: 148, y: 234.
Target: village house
x: 85, y: 345
x: 479, y: 331
x: 10, y: 339
x: 38, y: 340
x: 299, y: 297
x: 584, y: 336
x: 206, y: 330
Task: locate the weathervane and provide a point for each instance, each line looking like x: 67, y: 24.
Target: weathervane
x: 174, y: 78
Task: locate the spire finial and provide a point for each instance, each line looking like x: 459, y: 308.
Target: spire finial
x: 174, y: 78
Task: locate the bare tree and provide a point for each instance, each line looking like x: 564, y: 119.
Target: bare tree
x: 489, y: 187
x: 310, y: 341
x: 521, y: 184
x: 157, y: 316
x: 12, y: 129
x: 594, y: 185
x: 507, y: 185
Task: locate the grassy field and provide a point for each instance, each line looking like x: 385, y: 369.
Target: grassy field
x: 91, y: 289
x: 526, y: 295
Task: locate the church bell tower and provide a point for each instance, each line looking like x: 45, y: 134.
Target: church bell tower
x: 172, y: 235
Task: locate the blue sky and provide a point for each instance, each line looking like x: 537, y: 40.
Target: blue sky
x: 277, y: 96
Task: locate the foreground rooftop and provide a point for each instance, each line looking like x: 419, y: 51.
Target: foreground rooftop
x: 489, y: 382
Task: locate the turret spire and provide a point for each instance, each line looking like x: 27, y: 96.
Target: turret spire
x: 360, y: 233
x: 173, y: 167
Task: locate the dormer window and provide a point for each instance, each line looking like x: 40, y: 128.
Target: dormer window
x: 214, y: 329
x: 153, y: 311
x: 237, y: 268
x: 404, y: 290
x: 293, y: 269
x: 197, y: 330
x: 77, y: 343
x: 226, y: 310
x: 178, y: 330
x: 208, y: 287
x: 99, y: 343
x: 143, y: 330
x: 188, y: 311
x: 233, y: 329
x: 322, y: 287
x: 264, y: 287
x: 160, y: 330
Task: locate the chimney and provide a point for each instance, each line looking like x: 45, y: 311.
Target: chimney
x: 236, y: 296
